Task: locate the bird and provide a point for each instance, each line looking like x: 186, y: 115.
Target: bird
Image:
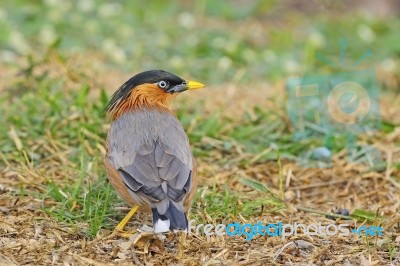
x: 148, y: 156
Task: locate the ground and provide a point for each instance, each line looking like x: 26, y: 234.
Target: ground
x: 57, y: 207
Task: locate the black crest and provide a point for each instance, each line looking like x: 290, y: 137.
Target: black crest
x: 151, y: 76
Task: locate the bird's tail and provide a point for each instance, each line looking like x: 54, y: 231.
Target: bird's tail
x: 172, y: 219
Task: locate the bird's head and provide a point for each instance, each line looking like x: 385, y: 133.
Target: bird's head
x: 149, y: 89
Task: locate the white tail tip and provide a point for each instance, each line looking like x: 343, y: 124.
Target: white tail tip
x: 161, y: 226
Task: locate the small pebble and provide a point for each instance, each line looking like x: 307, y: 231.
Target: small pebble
x: 344, y: 212
x: 321, y: 153
x: 304, y: 244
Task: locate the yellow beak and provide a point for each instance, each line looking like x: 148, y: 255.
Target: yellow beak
x: 193, y: 85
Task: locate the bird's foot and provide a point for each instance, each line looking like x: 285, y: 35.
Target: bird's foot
x: 119, y: 230
x: 125, y: 234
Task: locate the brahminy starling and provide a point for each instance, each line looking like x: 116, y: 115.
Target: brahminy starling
x: 149, y: 161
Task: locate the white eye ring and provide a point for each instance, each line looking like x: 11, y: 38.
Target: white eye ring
x: 162, y: 84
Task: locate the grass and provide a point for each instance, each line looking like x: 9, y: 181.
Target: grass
x: 79, y: 203
x: 44, y: 113
x: 53, y: 186
x: 186, y: 46
x: 75, y: 125
x: 57, y: 144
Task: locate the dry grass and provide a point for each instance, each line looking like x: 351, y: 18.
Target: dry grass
x: 41, y: 172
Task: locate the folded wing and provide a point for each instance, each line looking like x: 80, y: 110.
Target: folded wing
x: 154, y: 161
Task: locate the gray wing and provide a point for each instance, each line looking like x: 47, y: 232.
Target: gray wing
x: 151, y: 152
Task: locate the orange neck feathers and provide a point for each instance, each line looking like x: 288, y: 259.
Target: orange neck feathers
x: 147, y: 96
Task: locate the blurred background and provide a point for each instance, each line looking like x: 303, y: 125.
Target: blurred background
x: 220, y: 42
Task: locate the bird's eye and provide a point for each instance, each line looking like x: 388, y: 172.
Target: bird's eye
x: 162, y: 84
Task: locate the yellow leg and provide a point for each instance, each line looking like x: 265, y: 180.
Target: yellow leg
x: 121, y: 225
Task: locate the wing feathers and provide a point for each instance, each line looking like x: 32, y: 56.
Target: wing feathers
x: 155, y: 162
x: 131, y: 183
